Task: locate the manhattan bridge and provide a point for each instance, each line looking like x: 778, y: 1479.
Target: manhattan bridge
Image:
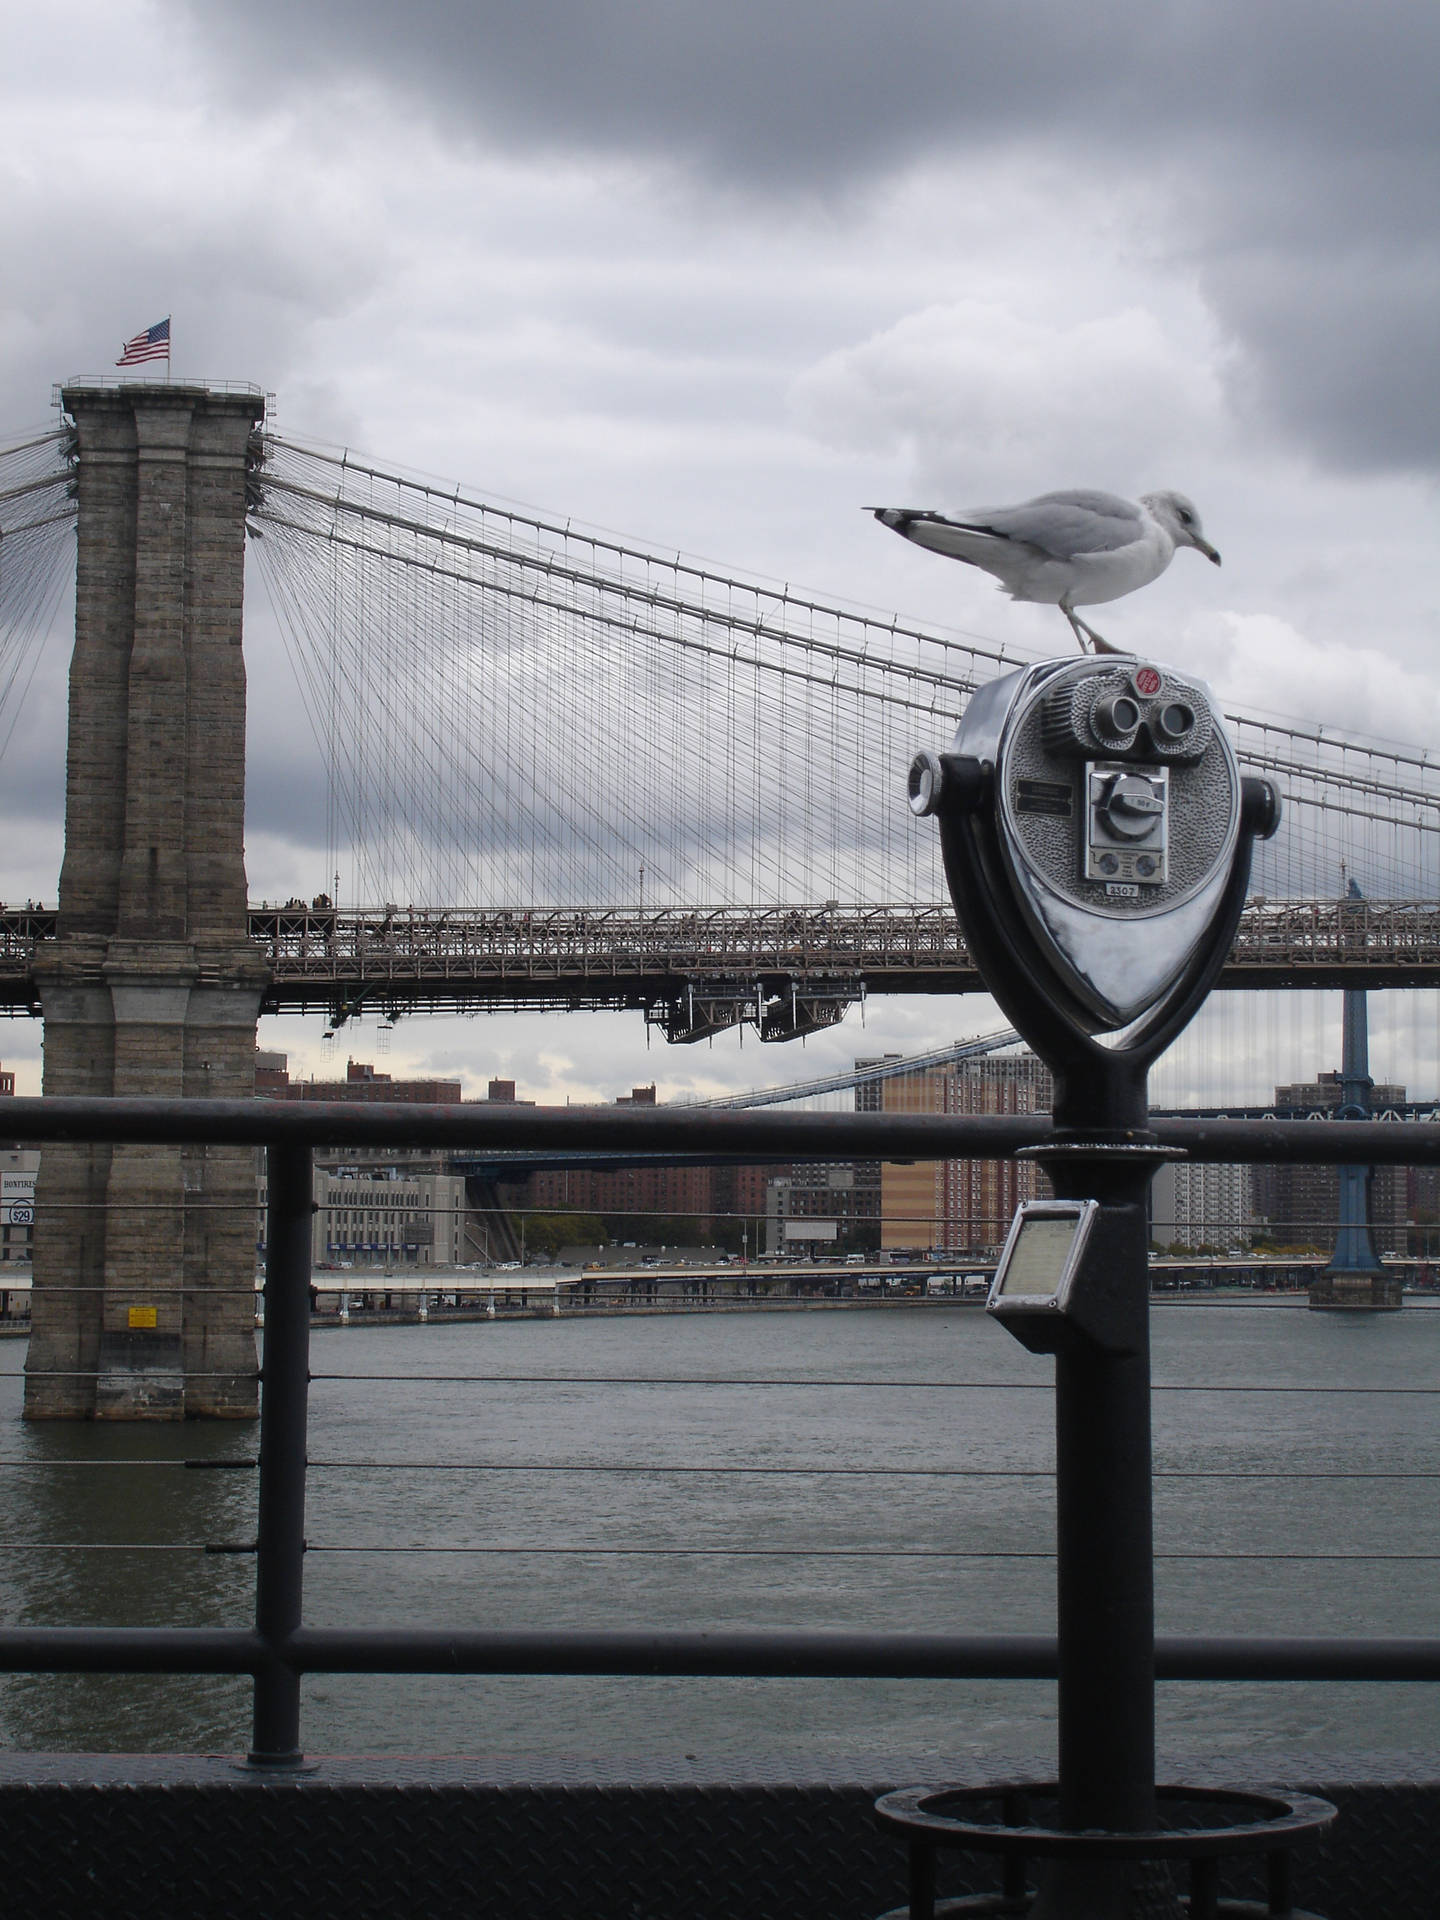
x: 563, y: 771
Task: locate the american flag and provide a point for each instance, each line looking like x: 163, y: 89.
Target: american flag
x: 152, y: 344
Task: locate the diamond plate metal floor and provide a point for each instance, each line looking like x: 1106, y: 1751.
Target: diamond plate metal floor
x: 194, y: 1838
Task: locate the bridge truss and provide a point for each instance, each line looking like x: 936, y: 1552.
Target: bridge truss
x: 785, y: 970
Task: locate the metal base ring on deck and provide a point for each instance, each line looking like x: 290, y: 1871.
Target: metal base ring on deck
x: 1204, y: 1824
x: 977, y: 1906
x: 982, y: 1906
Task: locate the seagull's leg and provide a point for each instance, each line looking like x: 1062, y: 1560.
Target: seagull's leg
x: 1083, y: 632
x: 1077, y: 626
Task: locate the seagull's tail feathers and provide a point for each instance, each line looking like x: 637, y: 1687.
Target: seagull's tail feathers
x: 977, y: 546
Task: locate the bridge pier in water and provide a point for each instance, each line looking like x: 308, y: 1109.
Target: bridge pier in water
x: 143, y: 1303
x: 1355, y: 1277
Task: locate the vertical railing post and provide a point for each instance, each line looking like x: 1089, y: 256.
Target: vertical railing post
x: 285, y: 1382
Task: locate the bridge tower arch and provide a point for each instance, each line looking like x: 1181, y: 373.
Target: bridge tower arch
x: 144, y: 1261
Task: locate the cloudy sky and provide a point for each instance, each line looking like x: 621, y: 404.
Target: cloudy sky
x: 719, y: 276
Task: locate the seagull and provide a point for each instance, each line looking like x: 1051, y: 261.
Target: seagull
x: 1063, y: 550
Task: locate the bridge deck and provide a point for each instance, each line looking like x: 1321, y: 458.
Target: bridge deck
x: 810, y: 956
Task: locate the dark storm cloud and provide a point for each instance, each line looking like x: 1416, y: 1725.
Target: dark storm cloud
x: 1342, y: 349
x: 1294, y: 143
x: 813, y: 92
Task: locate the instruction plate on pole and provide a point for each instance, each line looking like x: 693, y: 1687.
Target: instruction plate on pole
x: 1042, y: 1256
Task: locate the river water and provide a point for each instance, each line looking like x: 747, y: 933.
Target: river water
x: 821, y: 1469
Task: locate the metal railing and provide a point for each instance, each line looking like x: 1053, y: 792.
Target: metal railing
x: 280, y: 1649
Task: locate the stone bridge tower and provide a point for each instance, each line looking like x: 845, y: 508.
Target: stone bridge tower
x: 145, y: 1256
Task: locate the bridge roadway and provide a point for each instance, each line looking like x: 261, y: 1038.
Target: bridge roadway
x: 697, y: 970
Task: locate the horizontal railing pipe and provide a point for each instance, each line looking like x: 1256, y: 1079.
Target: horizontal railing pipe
x: 682, y: 1132
x: 801, y: 1654
x: 130, y: 1650
x: 734, y: 1653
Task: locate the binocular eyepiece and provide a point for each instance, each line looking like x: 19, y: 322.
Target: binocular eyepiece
x: 1128, y: 712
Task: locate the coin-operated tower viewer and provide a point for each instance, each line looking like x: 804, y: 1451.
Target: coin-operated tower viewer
x: 1097, y: 834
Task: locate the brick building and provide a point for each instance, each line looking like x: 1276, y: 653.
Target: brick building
x: 841, y: 1198
x: 392, y: 1218
x: 393, y: 1207
x: 361, y: 1082
x: 687, y: 1192
x: 1193, y: 1204
x: 727, y: 1202
x: 18, y: 1168
x: 965, y: 1205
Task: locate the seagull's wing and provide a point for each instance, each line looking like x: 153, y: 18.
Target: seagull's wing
x: 1060, y: 525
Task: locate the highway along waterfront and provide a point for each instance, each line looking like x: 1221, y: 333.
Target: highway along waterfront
x: 861, y: 1469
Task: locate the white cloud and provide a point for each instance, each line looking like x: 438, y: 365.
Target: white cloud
x: 986, y: 402
x: 1269, y: 666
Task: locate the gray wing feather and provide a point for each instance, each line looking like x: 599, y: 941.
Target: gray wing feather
x: 1061, y: 524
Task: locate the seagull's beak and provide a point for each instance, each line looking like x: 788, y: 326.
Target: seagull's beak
x: 1206, y: 548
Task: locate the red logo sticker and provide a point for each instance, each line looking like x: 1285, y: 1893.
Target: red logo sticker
x: 1147, y: 680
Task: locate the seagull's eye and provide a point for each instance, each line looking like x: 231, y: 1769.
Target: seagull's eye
x: 1186, y: 519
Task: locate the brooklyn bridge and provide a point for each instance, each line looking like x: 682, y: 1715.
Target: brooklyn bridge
x: 561, y: 771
